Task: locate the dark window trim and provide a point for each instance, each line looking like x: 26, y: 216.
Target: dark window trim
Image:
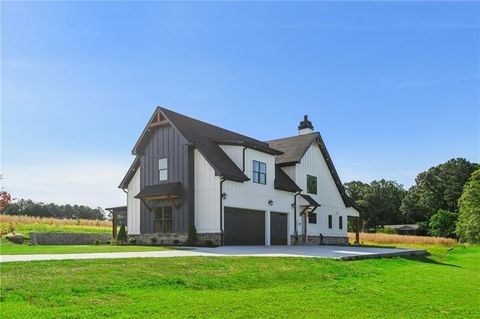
x: 330, y: 221
x: 312, y: 218
x: 316, y: 184
x: 256, y: 175
x: 163, y: 219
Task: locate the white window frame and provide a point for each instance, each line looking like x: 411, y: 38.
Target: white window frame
x: 163, y: 169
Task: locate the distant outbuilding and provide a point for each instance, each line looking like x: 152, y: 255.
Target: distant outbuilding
x: 405, y: 229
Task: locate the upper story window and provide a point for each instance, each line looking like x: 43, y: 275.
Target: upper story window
x: 340, y: 222
x: 259, y: 172
x: 163, y: 169
x: 330, y: 222
x: 311, y: 184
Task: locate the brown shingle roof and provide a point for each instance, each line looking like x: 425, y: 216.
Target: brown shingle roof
x: 293, y: 147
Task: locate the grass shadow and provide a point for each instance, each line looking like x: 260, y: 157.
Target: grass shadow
x: 425, y: 259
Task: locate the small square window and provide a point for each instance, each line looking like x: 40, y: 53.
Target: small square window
x: 312, y: 218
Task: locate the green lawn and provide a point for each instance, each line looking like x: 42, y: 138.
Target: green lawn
x: 12, y: 249
x: 445, y: 285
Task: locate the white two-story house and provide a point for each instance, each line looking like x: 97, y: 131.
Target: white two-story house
x: 235, y: 190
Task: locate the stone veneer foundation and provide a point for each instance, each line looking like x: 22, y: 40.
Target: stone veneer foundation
x: 203, y: 239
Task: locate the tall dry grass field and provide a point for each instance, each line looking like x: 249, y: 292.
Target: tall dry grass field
x: 378, y: 238
x: 26, y: 220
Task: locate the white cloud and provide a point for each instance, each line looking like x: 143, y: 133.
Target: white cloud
x: 88, y: 181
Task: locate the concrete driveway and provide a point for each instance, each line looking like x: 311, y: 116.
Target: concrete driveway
x: 338, y: 252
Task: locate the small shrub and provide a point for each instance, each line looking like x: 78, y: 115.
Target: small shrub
x: 8, y: 229
x: 113, y: 242
x: 209, y: 243
x: 153, y: 240
x: 108, y: 242
x: 176, y: 242
x: 192, y: 236
x: 96, y: 242
x: 132, y: 241
x: 122, y: 235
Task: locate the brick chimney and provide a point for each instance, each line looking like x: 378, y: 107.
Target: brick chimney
x: 305, y: 126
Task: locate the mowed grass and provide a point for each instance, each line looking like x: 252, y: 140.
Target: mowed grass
x: 7, y: 248
x: 447, y: 284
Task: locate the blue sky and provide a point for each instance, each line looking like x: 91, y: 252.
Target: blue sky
x: 392, y: 86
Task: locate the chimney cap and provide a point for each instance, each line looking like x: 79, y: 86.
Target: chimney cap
x: 305, y: 124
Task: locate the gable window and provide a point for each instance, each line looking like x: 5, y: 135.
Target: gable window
x: 340, y: 222
x: 330, y: 221
x: 259, y: 172
x: 163, y: 219
x: 163, y: 169
x: 312, y: 218
x: 311, y: 184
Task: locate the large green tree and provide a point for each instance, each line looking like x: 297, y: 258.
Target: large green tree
x: 437, y: 188
x: 442, y: 224
x: 31, y: 208
x: 468, y: 226
x: 379, y: 201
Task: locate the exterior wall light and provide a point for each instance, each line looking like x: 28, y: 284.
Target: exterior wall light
x: 270, y: 202
x: 224, y: 195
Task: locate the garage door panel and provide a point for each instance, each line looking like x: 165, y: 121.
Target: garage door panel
x: 278, y: 228
x: 244, y: 227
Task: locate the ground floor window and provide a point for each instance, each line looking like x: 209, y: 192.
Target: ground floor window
x: 163, y: 219
x: 340, y: 222
x: 330, y: 221
x: 312, y: 218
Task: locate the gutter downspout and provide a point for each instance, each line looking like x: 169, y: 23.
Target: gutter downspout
x: 222, y: 179
x: 243, y: 151
x: 295, y: 214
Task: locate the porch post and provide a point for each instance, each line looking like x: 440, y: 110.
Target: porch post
x: 114, y: 225
x: 305, y: 219
x: 357, y: 230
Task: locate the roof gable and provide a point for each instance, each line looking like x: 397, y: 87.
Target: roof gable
x: 206, y: 138
x: 295, y: 147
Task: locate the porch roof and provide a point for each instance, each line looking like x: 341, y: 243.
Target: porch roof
x: 161, y: 191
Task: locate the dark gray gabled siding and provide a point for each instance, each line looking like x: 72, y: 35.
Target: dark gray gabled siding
x: 166, y: 142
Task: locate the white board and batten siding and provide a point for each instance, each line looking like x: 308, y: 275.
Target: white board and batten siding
x: 207, y: 196
x: 249, y: 195
x: 133, y: 204
x: 313, y: 163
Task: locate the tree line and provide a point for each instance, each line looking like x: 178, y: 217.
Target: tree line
x: 435, y: 202
x: 30, y: 208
